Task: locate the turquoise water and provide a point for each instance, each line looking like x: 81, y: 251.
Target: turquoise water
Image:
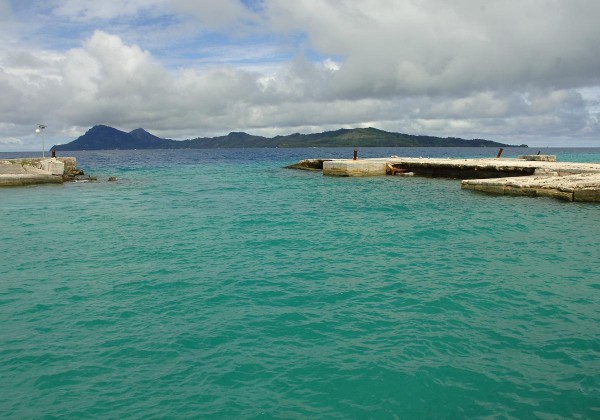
x: 217, y: 284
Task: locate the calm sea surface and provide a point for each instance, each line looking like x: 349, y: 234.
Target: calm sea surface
x: 214, y: 283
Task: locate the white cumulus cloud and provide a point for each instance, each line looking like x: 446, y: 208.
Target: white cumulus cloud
x: 507, y: 71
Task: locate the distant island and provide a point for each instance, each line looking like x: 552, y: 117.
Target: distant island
x: 102, y: 137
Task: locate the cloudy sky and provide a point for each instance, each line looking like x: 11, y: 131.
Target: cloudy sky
x: 516, y: 71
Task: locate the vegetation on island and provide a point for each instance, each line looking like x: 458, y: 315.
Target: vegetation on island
x: 102, y: 137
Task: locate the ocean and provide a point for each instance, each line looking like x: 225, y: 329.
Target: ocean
x: 216, y: 284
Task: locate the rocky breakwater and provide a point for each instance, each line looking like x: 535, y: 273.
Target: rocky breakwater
x: 31, y: 171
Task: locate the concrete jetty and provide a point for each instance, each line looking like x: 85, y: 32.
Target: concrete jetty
x: 30, y: 171
x: 529, y: 175
x: 577, y: 187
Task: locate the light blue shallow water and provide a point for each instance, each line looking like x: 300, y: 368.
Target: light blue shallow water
x: 217, y: 284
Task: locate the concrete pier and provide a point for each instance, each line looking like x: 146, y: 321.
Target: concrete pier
x: 454, y: 168
x: 527, y: 175
x: 30, y: 171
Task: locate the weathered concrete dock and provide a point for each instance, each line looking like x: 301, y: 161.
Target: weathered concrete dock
x: 30, y: 171
x: 577, y: 187
x: 528, y: 175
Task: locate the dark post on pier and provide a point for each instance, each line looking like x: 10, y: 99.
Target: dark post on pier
x: 499, y: 153
x: 355, y: 153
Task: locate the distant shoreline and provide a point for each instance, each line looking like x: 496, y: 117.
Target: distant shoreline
x: 36, y: 153
x: 102, y: 137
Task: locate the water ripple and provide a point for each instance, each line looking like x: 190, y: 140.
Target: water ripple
x: 196, y: 289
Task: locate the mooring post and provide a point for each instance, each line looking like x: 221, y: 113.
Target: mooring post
x: 355, y: 153
x: 499, y: 153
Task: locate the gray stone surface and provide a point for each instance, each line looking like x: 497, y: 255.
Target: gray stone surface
x: 52, y: 165
x: 366, y: 167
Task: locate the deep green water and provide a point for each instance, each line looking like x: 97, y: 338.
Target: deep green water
x: 217, y: 284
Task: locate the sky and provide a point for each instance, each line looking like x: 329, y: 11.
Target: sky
x: 514, y: 71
